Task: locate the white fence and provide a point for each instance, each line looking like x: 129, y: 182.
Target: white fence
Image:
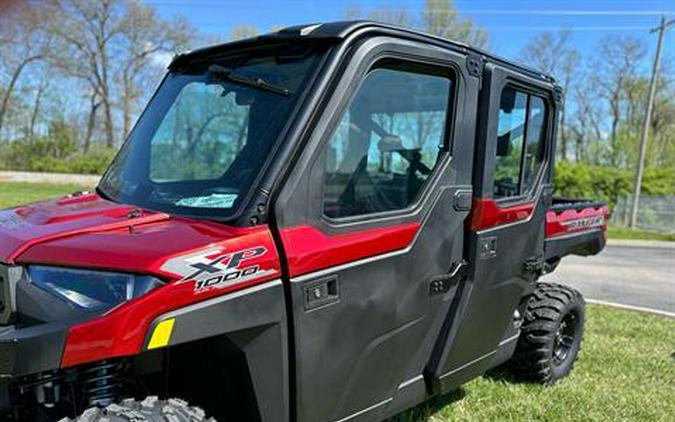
x: 655, y: 213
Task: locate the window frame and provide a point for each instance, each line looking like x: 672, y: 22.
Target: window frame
x: 447, y: 69
x: 531, y: 194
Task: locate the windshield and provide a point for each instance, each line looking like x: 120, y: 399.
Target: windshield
x: 207, y: 133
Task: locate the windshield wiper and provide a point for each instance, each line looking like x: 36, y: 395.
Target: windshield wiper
x: 259, y: 83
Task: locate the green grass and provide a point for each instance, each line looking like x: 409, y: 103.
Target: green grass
x: 13, y: 194
x: 619, y: 232
x: 626, y: 371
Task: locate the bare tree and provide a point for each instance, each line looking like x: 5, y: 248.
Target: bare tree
x: 394, y: 16
x: 144, y: 41
x: 552, y: 54
x: 94, y: 104
x: 40, y: 90
x: 21, y: 44
x: 585, y: 124
x: 619, y: 62
x: 87, y: 31
x: 440, y: 17
x: 243, y: 31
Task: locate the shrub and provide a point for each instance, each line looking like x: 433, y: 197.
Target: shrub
x: 57, y: 152
x: 609, y: 183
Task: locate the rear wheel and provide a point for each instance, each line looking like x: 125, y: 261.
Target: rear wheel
x: 151, y: 409
x: 551, y: 334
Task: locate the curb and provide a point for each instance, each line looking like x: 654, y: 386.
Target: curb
x: 662, y: 244
x: 632, y: 308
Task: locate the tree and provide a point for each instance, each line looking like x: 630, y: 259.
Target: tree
x: 21, y: 45
x: 619, y: 63
x: 40, y: 91
x: 87, y: 31
x: 241, y: 32
x: 551, y: 53
x: 116, y: 47
x: 585, y: 124
x: 144, y: 40
x: 388, y: 15
x: 440, y: 17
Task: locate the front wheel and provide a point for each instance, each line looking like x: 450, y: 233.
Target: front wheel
x: 551, y: 334
x: 151, y: 409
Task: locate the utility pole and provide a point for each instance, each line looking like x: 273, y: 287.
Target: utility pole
x: 661, y: 29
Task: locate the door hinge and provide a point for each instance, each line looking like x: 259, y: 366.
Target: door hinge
x: 475, y: 64
x: 487, y: 247
x: 443, y: 283
x: 534, y: 265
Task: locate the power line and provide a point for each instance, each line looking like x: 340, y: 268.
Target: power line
x: 568, y: 27
x: 509, y: 28
x: 563, y: 12
x: 551, y: 12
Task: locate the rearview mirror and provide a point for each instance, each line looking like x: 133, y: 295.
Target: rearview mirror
x: 503, y: 145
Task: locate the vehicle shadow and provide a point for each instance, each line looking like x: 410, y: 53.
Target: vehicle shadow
x: 505, y: 374
x: 425, y: 410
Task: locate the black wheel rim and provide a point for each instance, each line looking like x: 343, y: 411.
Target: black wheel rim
x: 564, y: 338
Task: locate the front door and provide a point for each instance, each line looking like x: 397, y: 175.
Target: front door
x: 372, y: 222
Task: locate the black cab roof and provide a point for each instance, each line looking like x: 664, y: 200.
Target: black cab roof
x: 337, y: 31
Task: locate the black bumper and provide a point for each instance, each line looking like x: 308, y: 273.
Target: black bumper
x: 582, y: 243
x: 31, y: 350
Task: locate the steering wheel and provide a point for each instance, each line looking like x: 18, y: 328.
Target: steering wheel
x: 354, y: 204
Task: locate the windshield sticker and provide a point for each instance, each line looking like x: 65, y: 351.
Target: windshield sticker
x: 215, y: 200
x: 213, y: 268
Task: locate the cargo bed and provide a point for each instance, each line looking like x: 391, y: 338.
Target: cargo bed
x: 575, y: 227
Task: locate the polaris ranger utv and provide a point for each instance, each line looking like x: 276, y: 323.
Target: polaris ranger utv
x: 328, y: 223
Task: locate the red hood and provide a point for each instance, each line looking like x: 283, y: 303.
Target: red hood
x: 90, y: 232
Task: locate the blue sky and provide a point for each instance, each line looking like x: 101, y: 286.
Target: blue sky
x: 511, y: 23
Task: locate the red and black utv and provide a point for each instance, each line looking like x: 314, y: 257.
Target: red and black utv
x: 328, y: 223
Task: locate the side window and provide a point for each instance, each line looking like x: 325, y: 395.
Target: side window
x: 389, y: 140
x: 521, y: 141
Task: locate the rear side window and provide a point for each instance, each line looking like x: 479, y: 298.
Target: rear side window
x: 521, y: 141
x: 388, y: 142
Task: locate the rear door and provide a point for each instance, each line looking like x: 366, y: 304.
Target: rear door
x: 372, y: 222
x: 506, y: 234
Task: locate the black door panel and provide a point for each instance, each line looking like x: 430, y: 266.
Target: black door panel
x: 380, y: 333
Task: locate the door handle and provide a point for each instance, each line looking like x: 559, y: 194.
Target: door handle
x: 462, y: 200
x: 322, y: 292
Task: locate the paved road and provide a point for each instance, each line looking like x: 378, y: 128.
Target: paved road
x: 629, y: 275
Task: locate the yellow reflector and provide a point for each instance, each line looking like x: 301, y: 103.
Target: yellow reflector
x: 162, y: 334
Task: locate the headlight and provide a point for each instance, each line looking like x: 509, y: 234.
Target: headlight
x: 90, y: 289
